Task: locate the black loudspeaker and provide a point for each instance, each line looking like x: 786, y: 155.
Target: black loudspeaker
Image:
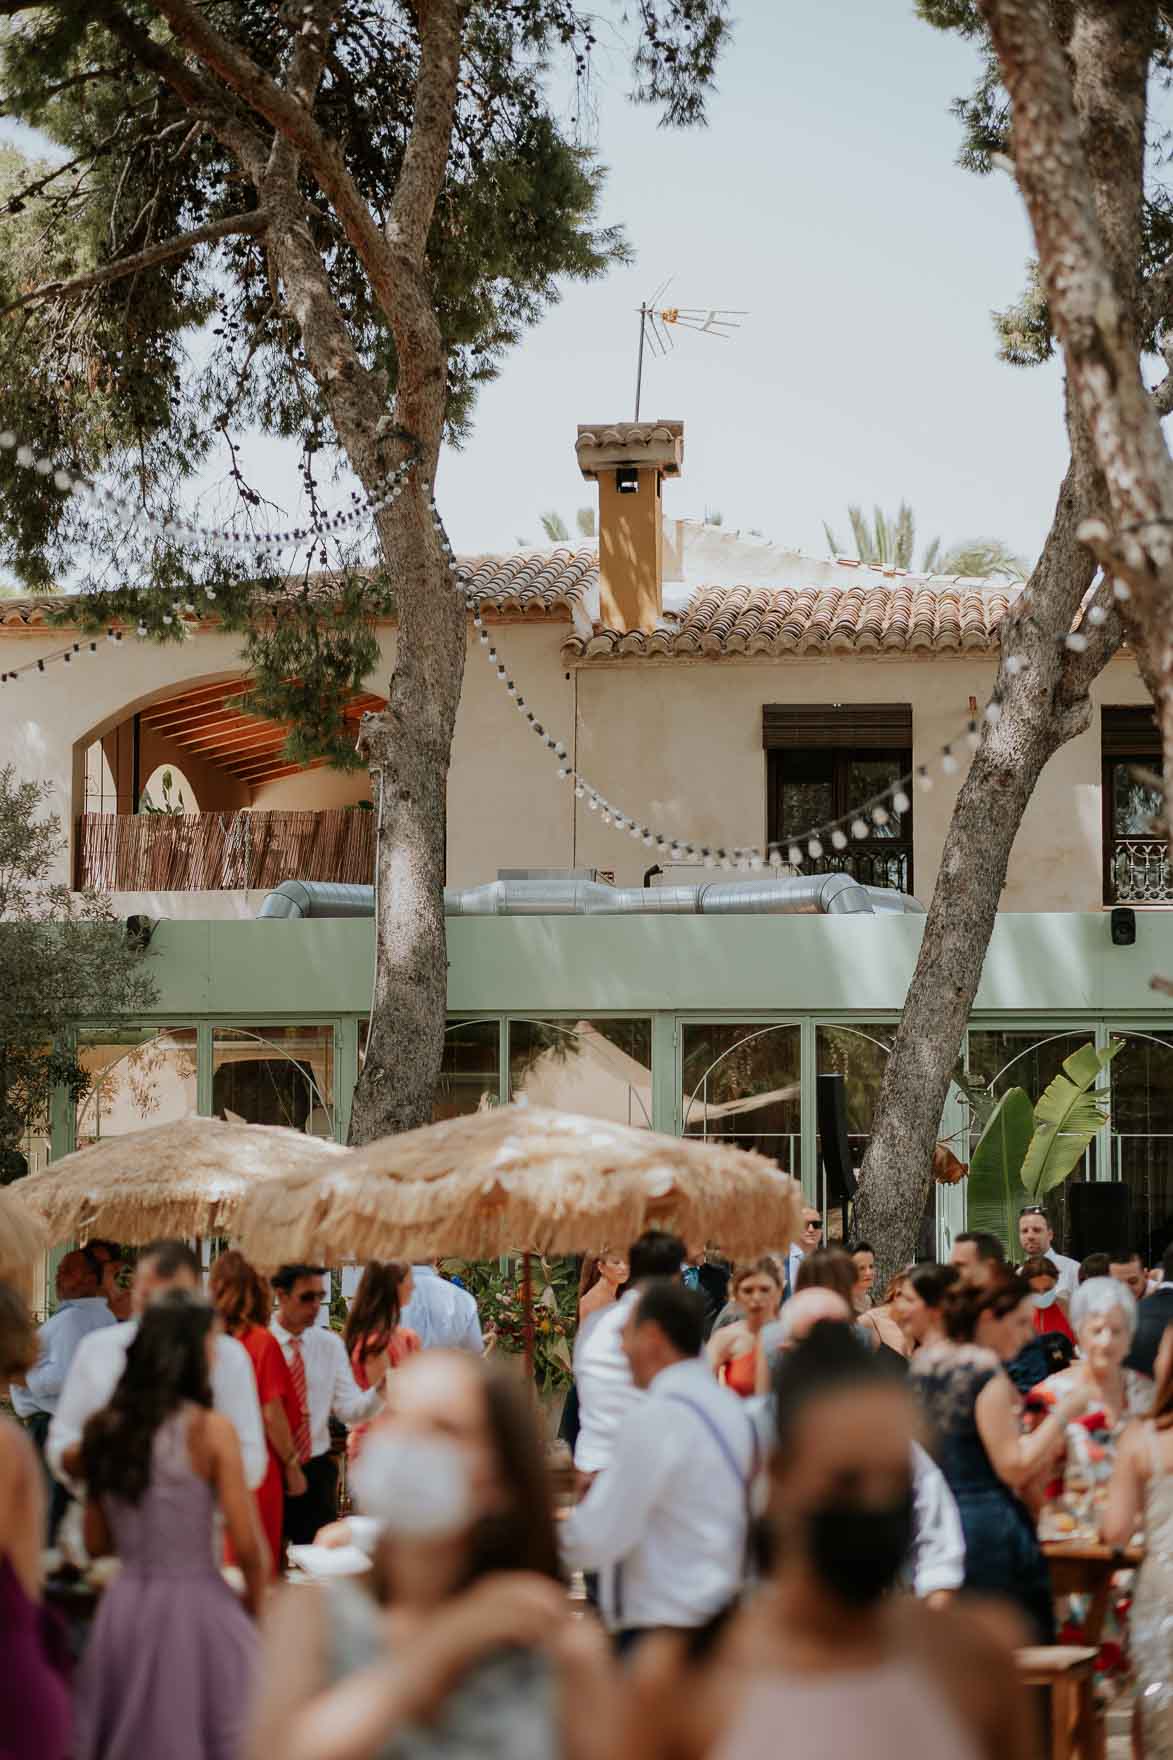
x: 836, y: 1151
x: 1100, y: 1217
x: 1123, y: 926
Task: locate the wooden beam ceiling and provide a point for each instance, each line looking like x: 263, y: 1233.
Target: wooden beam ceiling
x: 249, y: 747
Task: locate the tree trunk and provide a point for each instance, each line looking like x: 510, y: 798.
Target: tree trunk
x: 1043, y: 704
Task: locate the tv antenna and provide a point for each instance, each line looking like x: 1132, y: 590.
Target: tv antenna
x: 657, y: 322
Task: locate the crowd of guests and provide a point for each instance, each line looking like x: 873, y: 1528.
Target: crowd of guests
x: 800, y: 1512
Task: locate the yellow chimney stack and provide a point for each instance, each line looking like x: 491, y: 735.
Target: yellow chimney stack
x: 629, y: 461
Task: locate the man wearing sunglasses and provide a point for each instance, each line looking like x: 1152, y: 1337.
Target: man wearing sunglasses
x: 325, y: 1388
x: 1036, y: 1237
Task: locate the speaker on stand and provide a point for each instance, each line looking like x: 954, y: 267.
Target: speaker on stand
x: 835, y: 1148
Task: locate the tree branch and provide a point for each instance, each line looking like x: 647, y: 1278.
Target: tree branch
x: 321, y: 156
x: 424, y: 162
x: 235, y: 224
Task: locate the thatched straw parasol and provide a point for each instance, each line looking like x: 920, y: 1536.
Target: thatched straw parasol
x: 22, y: 1238
x: 520, y: 1178
x: 185, y: 1178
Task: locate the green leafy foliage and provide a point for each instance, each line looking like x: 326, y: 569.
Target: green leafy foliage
x: 498, y: 1288
x: 1067, y: 1116
x: 63, y: 957
x: 143, y: 382
x: 889, y: 541
x: 1025, y: 1151
x: 995, y: 1194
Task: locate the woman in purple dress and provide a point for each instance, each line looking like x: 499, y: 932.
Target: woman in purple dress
x: 169, y: 1668
x: 34, y: 1697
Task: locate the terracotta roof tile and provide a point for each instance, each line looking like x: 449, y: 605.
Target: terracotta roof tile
x: 910, y: 615
x: 904, y: 618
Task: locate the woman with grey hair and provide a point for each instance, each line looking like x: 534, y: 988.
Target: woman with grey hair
x: 1103, y: 1318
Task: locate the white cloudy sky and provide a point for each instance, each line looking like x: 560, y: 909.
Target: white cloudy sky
x: 825, y: 198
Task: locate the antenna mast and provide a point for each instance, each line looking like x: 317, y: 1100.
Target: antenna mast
x: 656, y: 323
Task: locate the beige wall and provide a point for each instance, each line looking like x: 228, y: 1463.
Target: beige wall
x: 676, y: 744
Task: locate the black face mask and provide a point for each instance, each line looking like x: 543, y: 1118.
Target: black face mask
x: 858, y: 1551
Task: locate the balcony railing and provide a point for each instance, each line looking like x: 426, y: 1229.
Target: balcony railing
x: 886, y: 864
x: 1139, y: 871
x: 214, y: 852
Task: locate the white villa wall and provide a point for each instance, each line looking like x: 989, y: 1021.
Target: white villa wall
x: 676, y: 743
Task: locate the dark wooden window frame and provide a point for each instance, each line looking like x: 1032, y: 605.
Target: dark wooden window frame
x: 846, y: 730
x: 1125, y: 732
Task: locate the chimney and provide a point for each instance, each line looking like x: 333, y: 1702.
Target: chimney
x: 629, y: 461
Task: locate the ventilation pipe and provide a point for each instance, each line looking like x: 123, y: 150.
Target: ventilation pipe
x: 814, y: 894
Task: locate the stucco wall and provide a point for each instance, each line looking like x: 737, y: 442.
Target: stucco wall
x: 676, y: 744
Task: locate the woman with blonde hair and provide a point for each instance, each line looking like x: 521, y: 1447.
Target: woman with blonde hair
x: 34, y: 1697
x: 240, y: 1296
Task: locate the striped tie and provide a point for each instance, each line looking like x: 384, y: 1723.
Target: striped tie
x: 301, y: 1436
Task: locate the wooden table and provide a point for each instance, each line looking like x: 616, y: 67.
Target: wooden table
x: 1086, y: 1567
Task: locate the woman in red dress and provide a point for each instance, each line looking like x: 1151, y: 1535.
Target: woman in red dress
x: 374, y: 1338
x: 241, y: 1298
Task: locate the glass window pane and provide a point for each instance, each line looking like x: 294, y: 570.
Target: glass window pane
x: 859, y: 1054
x: 1142, y: 1137
x: 602, y: 1068
x: 1030, y: 1060
x: 470, y: 1073
x: 741, y: 1084
x: 275, y: 1075
x: 873, y: 775
x: 807, y: 793
x: 140, y: 1078
x: 1135, y: 804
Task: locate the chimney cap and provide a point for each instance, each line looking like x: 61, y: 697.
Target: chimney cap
x: 655, y: 445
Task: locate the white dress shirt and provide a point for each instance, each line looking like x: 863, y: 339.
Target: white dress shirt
x: 59, y: 1338
x: 937, y: 1560
x: 329, y: 1383
x: 444, y: 1316
x: 1068, y: 1270
x: 606, y: 1392
x: 665, y: 1524
x: 97, y: 1369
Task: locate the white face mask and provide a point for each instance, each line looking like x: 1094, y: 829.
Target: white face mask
x: 1045, y: 1299
x: 415, y: 1487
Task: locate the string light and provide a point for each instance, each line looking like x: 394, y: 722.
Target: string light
x: 364, y: 505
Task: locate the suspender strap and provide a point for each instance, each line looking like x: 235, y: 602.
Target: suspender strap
x: 714, y: 1430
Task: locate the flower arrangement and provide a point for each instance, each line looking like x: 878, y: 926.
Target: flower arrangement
x: 498, y: 1286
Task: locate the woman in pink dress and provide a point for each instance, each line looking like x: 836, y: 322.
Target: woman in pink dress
x: 374, y: 1338
x: 240, y: 1296
x: 34, y: 1695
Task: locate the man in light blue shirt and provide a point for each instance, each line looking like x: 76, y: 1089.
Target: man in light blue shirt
x: 81, y: 1309
x: 445, y: 1317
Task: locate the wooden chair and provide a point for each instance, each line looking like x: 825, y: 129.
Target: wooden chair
x: 1067, y: 1672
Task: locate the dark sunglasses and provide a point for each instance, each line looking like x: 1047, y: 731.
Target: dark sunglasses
x: 1033, y: 1210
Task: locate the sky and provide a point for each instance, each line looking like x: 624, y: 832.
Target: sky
x: 825, y: 199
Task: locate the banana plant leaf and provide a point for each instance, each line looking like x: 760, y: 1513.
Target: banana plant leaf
x: 994, y: 1190
x: 1067, y: 1117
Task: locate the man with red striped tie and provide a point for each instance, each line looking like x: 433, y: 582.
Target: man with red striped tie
x: 325, y: 1388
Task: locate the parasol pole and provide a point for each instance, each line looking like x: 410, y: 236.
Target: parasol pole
x: 527, y: 1298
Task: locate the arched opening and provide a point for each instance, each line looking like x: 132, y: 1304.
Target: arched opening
x: 239, y: 812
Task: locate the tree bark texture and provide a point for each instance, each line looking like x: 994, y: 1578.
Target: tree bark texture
x: 1043, y: 693
x: 408, y: 745
x: 1090, y: 316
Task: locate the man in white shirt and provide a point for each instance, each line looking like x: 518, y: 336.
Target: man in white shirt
x: 665, y: 1526
x: 100, y: 1359
x: 602, y: 1373
x: 81, y: 1309
x: 1036, y: 1237
x: 809, y: 1241
x: 325, y: 1387
x: 444, y: 1315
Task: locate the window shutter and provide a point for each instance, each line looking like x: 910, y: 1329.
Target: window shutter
x: 878, y: 726
x: 1129, y: 732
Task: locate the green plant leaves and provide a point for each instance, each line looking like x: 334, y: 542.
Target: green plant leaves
x: 994, y: 1192
x: 1067, y: 1117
